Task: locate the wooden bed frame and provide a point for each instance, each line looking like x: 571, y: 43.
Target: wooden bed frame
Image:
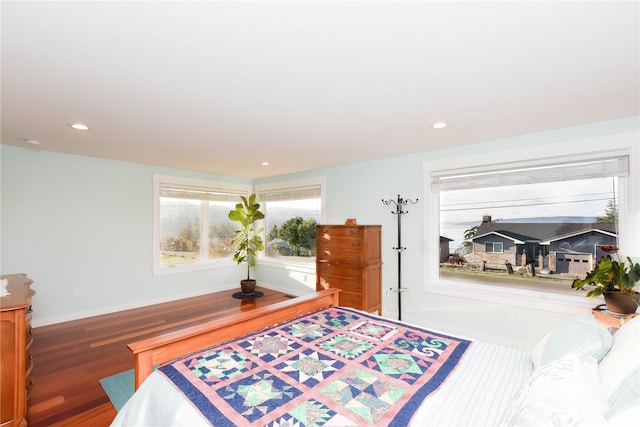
x: 164, y: 348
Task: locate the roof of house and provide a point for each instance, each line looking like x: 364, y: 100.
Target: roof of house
x: 542, y: 232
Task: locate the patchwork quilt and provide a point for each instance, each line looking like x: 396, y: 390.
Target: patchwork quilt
x: 334, y: 367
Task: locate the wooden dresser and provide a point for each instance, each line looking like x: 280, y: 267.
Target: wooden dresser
x: 16, y: 366
x: 348, y: 257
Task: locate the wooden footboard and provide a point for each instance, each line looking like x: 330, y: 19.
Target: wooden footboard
x: 158, y: 350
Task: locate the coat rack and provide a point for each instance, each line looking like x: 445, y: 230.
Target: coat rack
x: 399, y: 205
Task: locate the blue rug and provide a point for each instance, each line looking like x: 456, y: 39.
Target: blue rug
x: 119, y: 388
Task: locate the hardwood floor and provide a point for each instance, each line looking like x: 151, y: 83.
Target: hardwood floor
x: 70, y: 358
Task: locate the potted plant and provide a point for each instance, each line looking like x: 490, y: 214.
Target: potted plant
x: 614, y: 280
x: 247, y: 240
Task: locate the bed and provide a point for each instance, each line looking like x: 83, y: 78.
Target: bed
x: 308, y: 361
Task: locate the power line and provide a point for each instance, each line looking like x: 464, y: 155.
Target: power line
x: 497, y: 205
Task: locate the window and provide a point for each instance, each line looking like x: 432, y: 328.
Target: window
x: 191, y: 226
x: 292, y: 211
x: 493, y: 247
x: 524, y: 227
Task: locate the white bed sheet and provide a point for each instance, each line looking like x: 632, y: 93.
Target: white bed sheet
x: 477, y: 393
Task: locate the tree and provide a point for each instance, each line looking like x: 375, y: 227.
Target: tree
x: 610, y: 213
x: 273, y: 233
x: 298, y: 233
x: 290, y: 232
x: 467, y: 246
x: 222, y: 230
x: 188, y: 239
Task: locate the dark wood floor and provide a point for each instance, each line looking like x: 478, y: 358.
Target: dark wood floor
x: 70, y: 357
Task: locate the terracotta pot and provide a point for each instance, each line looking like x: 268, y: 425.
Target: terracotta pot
x: 248, y: 286
x: 620, y: 303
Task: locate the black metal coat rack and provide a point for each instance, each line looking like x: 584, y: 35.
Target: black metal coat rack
x: 399, y: 203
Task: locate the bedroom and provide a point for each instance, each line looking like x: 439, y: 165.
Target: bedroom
x: 81, y: 225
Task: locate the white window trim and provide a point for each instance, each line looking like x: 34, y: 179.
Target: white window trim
x: 305, y: 182
x: 628, y: 209
x: 161, y: 270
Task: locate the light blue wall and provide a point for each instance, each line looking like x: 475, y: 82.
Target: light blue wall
x: 83, y: 226
x: 356, y: 190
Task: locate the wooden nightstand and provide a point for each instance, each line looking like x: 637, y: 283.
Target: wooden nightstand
x: 611, y: 320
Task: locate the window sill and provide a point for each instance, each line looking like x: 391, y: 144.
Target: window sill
x: 289, y: 263
x: 537, y: 300
x: 186, y: 268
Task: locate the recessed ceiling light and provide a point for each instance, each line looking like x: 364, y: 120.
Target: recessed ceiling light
x: 79, y: 126
x: 439, y: 125
x: 265, y: 163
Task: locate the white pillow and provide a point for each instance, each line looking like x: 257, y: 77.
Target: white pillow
x: 566, y: 392
x: 620, y: 368
x: 627, y: 418
x: 581, y: 335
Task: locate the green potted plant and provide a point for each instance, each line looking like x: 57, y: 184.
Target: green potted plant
x: 615, y: 280
x: 247, y: 240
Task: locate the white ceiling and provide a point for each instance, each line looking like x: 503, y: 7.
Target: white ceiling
x: 221, y: 86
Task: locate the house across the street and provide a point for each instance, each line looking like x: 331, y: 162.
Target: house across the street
x: 572, y: 248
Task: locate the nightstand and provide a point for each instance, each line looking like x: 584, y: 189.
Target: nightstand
x: 611, y: 320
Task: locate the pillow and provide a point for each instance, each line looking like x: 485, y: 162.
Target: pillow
x: 628, y: 417
x: 620, y: 369
x: 565, y: 392
x: 581, y: 335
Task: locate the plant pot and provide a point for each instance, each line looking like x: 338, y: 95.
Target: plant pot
x: 620, y: 303
x: 248, y: 286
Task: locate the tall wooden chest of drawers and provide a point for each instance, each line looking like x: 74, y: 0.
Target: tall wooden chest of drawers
x: 16, y: 367
x: 348, y: 257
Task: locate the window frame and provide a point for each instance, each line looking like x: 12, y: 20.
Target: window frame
x: 158, y: 179
x: 493, y: 247
x: 306, y: 263
x: 629, y: 202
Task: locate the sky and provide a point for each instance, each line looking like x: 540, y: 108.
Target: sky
x: 462, y: 209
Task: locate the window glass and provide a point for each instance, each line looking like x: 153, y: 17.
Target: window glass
x: 531, y: 228
x: 493, y: 247
x: 292, y: 211
x: 179, y: 230
x: 221, y: 229
x: 192, y: 229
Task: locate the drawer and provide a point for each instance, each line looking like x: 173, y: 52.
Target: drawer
x: 340, y: 231
x: 340, y: 255
x: 339, y: 269
x: 326, y: 281
x: 28, y: 384
x: 348, y: 299
x: 28, y: 360
x: 340, y: 242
